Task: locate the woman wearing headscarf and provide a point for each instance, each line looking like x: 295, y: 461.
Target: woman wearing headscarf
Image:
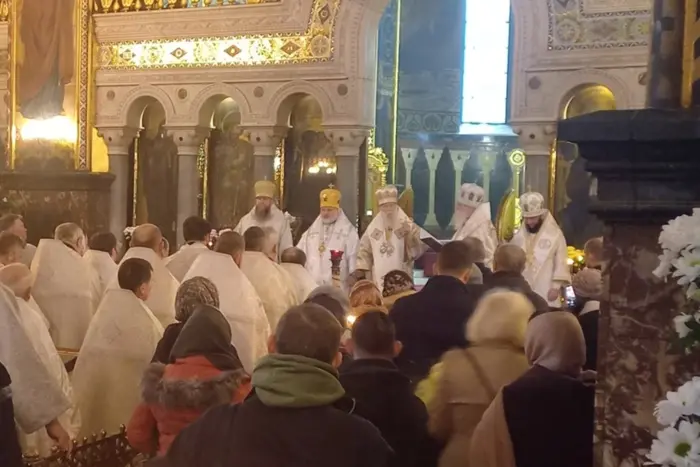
x: 397, y: 284
x: 545, y: 417
x: 204, y: 372
x: 191, y: 294
x: 468, y: 379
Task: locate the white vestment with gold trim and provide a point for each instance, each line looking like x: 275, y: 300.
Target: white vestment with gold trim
x: 479, y: 225
x: 546, y: 255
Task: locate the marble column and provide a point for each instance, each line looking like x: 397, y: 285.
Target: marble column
x: 188, y: 141
x: 647, y: 169
x: 346, y: 143
x: 409, y: 157
x: 487, y: 161
x: 118, y: 141
x: 265, y: 141
x: 459, y: 160
x: 433, y: 157
x: 665, y: 67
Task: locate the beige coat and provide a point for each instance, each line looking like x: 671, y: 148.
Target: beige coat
x: 461, y: 397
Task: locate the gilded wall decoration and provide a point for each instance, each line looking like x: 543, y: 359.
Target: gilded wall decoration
x: 118, y: 6
x: 315, y: 44
x: 597, y: 24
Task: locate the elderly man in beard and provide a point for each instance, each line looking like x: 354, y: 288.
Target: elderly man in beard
x: 265, y: 213
x: 391, y: 241
x: 331, y: 230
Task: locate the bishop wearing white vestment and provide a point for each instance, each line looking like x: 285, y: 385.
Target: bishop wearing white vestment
x: 331, y: 230
x: 268, y: 278
x: 294, y: 262
x: 546, y: 269
x: 63, y: 286
x: 37, y: 398
x: 18, y: 278
x: 197, y: 234
x: 266, y: 214
x: 472, y: 218
x: 117, y: 350
x: 239, y: 303
x: 145, y: 244
x: 391, y: 241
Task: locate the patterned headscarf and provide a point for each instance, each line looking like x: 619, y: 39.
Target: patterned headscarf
x: 192, y: 293
x: 395, y: 282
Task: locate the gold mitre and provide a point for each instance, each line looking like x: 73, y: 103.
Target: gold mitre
x: 532, y: 204
x: 387, y: 194
x: 265, y: 189
x: 330, y: 198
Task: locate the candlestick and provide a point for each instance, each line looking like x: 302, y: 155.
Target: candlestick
x: 336, y: 258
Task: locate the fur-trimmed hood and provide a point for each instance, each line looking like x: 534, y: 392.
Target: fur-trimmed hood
x: 194, y: 393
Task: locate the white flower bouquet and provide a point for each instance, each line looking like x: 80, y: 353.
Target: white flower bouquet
x: 678, y: 443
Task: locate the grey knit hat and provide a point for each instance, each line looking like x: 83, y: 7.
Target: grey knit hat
x: 192, y: 293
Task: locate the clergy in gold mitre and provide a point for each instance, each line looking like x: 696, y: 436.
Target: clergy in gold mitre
x: 331, y: 230
x: 270, y: 281
x: 472, y: 218
x: 18, y: 278
x: 63, y: 285
x: 266, y: 214
x: 546, y: 268
x: 391, y: 241
x: 146, y: 243
x: 239, y: 302
x: 37, y: 398
x: 118, y: 348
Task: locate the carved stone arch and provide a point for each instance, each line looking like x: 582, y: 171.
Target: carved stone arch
x: 566, y: 87
x: 133, y: 104
x: 283, y: 101
x: 204, y: 103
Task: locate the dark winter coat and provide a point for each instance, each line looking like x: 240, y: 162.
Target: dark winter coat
x: 431, y: 322
x: 10, y: 451
x: 517, y: 283
x: 384, y: 397
x: 176, y: 395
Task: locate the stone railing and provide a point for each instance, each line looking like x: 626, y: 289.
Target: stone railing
x: 118, y: 6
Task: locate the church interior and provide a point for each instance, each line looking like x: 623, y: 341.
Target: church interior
x: 153, y: 111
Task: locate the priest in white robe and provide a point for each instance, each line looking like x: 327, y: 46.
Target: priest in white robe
x: 18, y: 278
x: 63, y: 285
x: 146, y: 242
x: 546, y: 269
x: 197, y: 234
x: 266, y: 214
x: 101, y: 258
x: 117, y: 350
x: 11, y: 248
x: 268, y: 277
x: 37, y: 398
x: 239, y: 302
x: 331, y: 230
x: 472, y: 218
x: 391, y: 241
x: 294, y: 262
x: 14, y: 223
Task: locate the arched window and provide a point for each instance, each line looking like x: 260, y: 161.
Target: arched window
x: 485, y: 73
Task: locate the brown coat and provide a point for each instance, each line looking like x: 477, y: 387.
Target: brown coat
x: 461, y: 397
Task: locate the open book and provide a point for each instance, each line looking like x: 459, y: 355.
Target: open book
x: 432, y: 242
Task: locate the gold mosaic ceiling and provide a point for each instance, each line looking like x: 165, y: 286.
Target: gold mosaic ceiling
x: 117, y: 6
x: 315, y: 44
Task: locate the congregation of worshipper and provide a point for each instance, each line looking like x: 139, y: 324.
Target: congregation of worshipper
x: 350, y: 233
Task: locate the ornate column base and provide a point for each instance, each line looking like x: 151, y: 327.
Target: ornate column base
x: 647, y: 168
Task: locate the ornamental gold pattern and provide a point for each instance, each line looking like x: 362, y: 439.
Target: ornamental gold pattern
x: 315, y: 44
x: 119, y: 6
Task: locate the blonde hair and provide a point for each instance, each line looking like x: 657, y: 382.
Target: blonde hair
x: 365, y: 293
x: 501, y: 315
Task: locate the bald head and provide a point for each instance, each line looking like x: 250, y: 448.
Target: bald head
x: 294, y: 255
x: 254, y: 239
x: 71, y: 234
x: 18, y: 278
x: 147, y: 236
x: 509, y: 258
x: 231, y: 243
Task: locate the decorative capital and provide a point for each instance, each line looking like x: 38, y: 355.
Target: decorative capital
x: 118, y: 139
x: 265, y: 139
x: 347, y: 141
x: 188, y: 139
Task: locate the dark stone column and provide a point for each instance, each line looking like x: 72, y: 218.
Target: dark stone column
x: 647, y: 167
x: 46, y: 200
x: 666, y: 55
